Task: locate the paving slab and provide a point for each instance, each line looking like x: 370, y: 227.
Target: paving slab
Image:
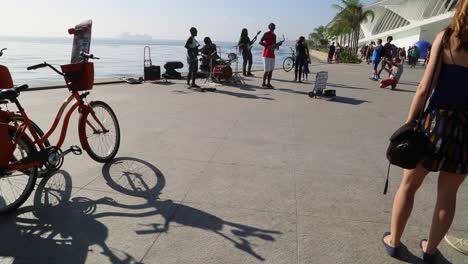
x: 241, y: 175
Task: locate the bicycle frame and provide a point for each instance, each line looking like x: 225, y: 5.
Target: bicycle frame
x: 83, y: 109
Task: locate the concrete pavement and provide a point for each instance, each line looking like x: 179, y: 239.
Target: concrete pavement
x: 242, y: 175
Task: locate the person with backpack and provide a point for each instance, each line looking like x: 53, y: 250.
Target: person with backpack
x: 387, y: 54
x: 444, y: 124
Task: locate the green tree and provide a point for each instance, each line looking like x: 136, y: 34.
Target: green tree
x: 351, y: 15
x: 319, y: 36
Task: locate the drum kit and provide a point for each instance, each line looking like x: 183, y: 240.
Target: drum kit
x: 220, y: 70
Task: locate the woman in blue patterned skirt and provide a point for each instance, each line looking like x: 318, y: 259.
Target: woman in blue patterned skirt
x: 445, y: 123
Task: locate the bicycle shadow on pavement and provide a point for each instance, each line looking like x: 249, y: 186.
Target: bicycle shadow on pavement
x: 130, y: 176
x: 56, y: 228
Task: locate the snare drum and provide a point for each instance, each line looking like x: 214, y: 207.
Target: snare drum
x: 222, y: 72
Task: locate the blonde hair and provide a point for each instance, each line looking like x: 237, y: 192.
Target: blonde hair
x: 459, y: 26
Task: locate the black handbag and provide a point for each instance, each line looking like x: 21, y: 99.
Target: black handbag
x: 408, y: 144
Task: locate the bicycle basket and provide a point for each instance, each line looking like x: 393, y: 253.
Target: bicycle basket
x: 79, y: 76
x: 6, y: 145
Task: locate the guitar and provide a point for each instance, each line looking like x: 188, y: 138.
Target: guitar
x: 254, y: 40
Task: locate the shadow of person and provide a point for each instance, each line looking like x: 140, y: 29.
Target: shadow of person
x: 56, y: 229
x: 243, y: 95
x: 147, y: 181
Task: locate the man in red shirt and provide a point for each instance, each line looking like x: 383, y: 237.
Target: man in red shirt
x: 269, y: 44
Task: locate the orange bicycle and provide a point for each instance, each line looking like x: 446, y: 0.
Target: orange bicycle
x: 25, y: 149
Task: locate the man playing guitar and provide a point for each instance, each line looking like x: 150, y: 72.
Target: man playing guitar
x: 269, y: 44
x: 245, y: 45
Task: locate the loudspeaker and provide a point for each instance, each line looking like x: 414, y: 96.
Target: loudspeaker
x: 152, y: 73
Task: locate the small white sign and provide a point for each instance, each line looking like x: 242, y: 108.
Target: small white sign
x: 321, y: 80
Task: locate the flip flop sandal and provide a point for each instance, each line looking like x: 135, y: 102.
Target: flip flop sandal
x: 391, y: 251
x: 428, y: 258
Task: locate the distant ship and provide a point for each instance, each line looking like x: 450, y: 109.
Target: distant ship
x: 135, y: 37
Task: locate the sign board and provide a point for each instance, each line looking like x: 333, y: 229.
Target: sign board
x: 321, y: 80
x: 81, y: 40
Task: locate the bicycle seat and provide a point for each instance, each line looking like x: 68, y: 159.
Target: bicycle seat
x: 12, y: 93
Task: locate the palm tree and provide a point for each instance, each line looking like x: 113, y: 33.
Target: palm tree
x: 319, y: 35
x: 350, y: 16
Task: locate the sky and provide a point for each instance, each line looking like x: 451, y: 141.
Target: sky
x: 164, y: 19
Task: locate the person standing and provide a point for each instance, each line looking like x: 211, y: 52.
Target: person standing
x: 414, y: 56
x: 192, y: 57
x: 428, y: 56
x: 376, y: 59
x: 245, y: 46
x: 302, y: 53
x: 387, y: 55
x: 269, y: 44
x: 370, y: 50
x: 331, y: 52
x: 338, y: 53
x: 403, y: 55
x: 445, y: 124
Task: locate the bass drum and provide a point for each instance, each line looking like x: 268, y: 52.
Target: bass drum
x: 222, y: 72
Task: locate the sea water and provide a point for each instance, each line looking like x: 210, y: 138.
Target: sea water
x: 118, y: 58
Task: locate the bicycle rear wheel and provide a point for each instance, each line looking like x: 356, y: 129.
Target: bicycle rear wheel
x: 101, y: 144
x: 288, y: 64
x: 43, y: 171
x: 16, y: 186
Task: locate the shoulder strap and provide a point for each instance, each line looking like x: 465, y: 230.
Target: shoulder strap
x: 431, y: 85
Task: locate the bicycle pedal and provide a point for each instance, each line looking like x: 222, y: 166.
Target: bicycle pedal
x: 76, y: 150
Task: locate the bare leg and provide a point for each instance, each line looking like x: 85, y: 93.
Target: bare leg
x: 265, y: 76
x: 403, y: 203
x: 270, y: 74
x: 444, y: 212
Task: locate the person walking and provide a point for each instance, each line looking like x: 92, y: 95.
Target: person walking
x: 269, y: 44
x: 245, y: 46
x: 302, y: 53
x: 387, y: 55
x: 331, y: 52
x: 376, y: 59
x: 192, y: 46
x: 445, y: 123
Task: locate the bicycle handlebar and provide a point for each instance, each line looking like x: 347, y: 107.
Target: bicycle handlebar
x: 35, y: 67
x: 43, y: 65
x: 88, y: 56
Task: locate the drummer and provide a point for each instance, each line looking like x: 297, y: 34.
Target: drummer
x: 209, y: 52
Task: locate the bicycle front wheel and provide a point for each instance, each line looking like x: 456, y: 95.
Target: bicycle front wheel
x: 288, y: 64
x: 15, y: 185
x: 99, y: 132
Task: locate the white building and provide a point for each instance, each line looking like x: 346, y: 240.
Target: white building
x: 408, y: 21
